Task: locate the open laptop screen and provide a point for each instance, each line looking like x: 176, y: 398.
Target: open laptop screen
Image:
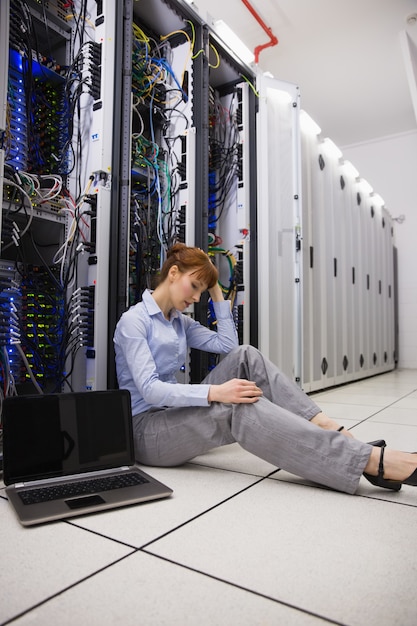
x: 61, y: 434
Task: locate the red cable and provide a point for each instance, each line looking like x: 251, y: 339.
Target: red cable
x: 273, y: 40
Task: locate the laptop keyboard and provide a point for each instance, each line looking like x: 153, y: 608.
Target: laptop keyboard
x: 80, y: 488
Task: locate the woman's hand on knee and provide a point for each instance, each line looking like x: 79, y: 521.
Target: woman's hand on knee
x: 235, y: 391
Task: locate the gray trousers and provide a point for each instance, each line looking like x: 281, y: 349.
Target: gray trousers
x: 276, y: 428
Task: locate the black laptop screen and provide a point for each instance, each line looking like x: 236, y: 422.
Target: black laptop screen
x: 61, y: 434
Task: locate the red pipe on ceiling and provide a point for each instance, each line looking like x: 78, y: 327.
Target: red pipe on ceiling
x: 273, y: 40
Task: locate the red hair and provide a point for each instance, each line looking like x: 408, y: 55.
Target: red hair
x: 189, y: 259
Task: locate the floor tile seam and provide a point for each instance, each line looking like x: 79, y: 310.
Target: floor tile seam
x: 393, y: 502
x: 232, y: 471
x: 406, y: 395
x: 338, y: 400
x: 375, y: 421
x: 371, y: 406
x: 72, y: 522
x: 356, y: 495
x: 379, y: 422
x: 380, y: 410
x: 385, y: 406
x: 65, y: 589
x: 245, y: 589
x: 366, y: 407
x: 202, y: 513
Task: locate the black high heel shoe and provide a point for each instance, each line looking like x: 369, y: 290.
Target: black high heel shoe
x: 380, y: 481
x: 412, y: 479
x: 379, y: 443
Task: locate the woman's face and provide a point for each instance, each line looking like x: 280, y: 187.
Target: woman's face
x: 186, y: 289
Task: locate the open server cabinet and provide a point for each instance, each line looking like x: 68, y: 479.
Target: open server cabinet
x: 187, y: 167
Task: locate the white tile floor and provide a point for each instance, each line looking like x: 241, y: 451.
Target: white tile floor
x: 238, y: 542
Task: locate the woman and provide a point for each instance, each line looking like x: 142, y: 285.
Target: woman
x: 244, y: 399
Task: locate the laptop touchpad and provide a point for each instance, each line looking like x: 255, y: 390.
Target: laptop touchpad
x: 77, y: 503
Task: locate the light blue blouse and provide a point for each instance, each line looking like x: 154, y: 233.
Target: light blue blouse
x: 150, y: 350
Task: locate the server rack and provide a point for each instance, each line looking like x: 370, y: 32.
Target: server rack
x: 348, y: 281
x: 279, y: 225
x: 34, y: 168
x: 356, y: 355
x: 4, y: 68
x: 209, y: 140
x: 344, y: 298
x: 56, y: 198
x: 232, y: 199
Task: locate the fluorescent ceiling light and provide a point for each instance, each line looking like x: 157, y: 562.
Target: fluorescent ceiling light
x: 233, y: 42
x: 308, y: 125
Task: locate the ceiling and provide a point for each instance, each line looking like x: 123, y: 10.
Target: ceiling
x: 352, y: 59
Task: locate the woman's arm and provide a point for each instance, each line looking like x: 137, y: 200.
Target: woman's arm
x: 146, y: 371
x: 223, y: 339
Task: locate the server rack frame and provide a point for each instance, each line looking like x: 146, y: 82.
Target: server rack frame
x: 46, y: 224
x: 153, y: 15
x: 4, y: 68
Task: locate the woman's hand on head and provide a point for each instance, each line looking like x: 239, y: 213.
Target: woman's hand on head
x: 235, y: 391
x: 216, y: 293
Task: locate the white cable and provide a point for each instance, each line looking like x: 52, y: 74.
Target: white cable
x: 28, y: 368
x: 7, y: 181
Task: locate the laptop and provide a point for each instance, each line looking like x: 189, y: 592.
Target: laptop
x: 68, y: 454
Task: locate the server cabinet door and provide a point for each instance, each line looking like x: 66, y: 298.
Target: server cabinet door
x: 279, y: 225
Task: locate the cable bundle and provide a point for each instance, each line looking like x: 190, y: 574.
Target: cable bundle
x: 158, y: 165
x: 224, y: 146
x: 36, y: 100
x: 45, y: 323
